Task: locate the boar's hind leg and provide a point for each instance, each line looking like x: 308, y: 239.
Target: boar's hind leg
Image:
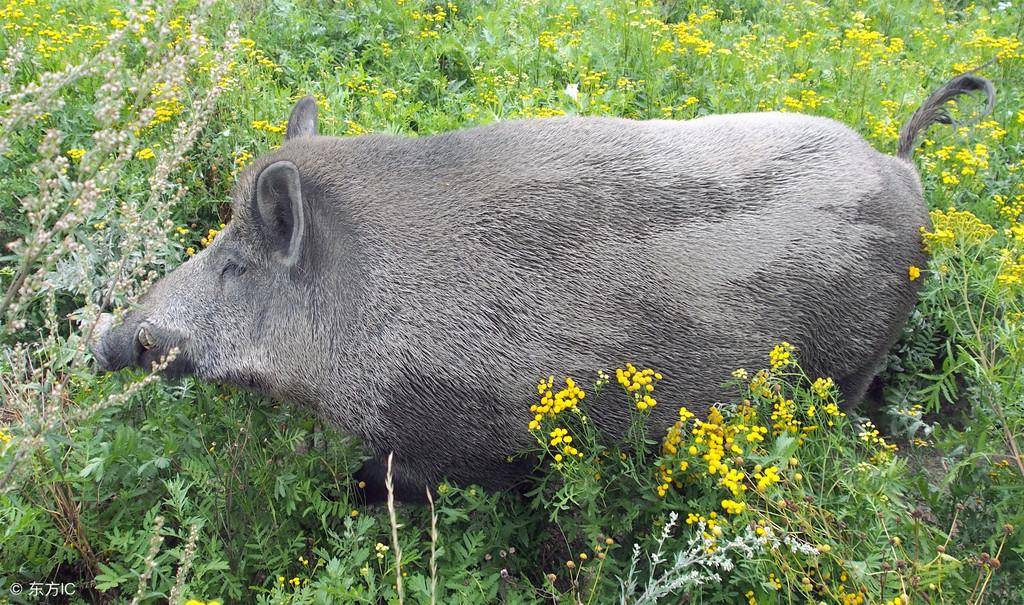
x: 374, y: 472
x: 855, y: 385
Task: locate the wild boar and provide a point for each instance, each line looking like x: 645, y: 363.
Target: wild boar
x: 413, y: 290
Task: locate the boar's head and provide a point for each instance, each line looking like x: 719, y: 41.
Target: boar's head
x: 243, y: 310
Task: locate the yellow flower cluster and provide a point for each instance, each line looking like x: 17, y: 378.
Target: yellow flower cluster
x: 973, y: 160
x: 242, y: 158
x: 281, y: 581
x: 256, y: 55
x: 198, y: 602
x: 711, y: 522
x: 49, y: 30
x: 1011, y: 268
x: 766, y: 477
x: 1015, y: 234
x: 850, y: 598
x: 716, y: 445
x: 732, y: 507
x: 562, y: 30
x: 672, y: 110
x: 560, y: 438
x: 870, y: 435
x: 915, y: 411
x: 885, y: 129
x: 714, y: 436
x: 268, y: 127
x: 542, y: 112
x: 823, y: 387
x: 872, y: 47
x: 1010, y: 209
x: 689, y: 36
x: 434, y: 20
x: 167, y: 107
x: 353, y: 129
x: 952, y: 226
x: 639, y: 384
x: 551, y: 403
x: 1005, y: 47
x: 781, y: 356
x: 210, y: 234
x: 366, y: 85
x: 808, y: 99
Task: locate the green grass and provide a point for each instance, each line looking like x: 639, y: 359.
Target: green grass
x: 266, y: 489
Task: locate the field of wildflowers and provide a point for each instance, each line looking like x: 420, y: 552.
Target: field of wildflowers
x: 122, y: 127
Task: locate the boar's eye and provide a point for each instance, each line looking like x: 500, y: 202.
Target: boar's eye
x: 232, y: 268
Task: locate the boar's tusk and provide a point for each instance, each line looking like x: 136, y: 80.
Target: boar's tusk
x: 146, y: 339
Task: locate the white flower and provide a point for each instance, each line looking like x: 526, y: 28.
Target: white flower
x: 1003, y: 6
x: 572, y: 91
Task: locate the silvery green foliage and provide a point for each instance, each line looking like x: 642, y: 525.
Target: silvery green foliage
x: 97, y: 231
x: 699, y: 564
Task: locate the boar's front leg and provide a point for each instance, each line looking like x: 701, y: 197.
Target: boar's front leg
x: 373, y: 475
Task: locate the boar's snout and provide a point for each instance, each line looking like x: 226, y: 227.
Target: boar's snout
x: 110, y: 354
x: 135, y: 342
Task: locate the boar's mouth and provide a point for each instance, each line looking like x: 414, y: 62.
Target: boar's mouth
x: 139, y: 344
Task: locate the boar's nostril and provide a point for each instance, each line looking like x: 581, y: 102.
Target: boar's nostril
x: 145, y: 338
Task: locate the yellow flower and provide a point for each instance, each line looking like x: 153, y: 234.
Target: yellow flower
x: 210, y: 234
x: 767, y: 478
x: 822, y: 387
x: 552, y: 404
x: 952, y: 226
x: 781, y: 356
x: 76, y: 153
x: 145, y: 154
x: 268, y: 127
x: 241, y: 159
x: 640, y: 384
x: 914, y: 272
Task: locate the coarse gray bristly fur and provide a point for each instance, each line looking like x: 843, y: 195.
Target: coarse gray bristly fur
x: 413, y: 290
x: 934, y: 109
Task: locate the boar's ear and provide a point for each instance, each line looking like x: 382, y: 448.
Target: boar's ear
x: 281, y: 211
x: 302, y: 122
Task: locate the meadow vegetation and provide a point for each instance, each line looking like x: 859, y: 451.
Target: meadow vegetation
x: 123, y: 127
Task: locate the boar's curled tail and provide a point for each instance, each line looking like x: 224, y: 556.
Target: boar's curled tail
x: 933, y: 109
